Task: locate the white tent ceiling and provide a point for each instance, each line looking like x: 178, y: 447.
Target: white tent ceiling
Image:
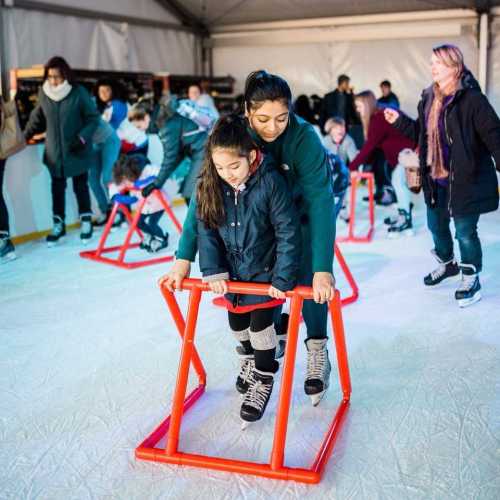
x: 214, y: 13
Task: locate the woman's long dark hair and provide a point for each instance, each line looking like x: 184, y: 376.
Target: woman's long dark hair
x: 230, y: 132
x: 261, y: 86
x: 58, y: 62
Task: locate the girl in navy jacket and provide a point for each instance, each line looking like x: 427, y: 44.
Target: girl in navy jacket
x: 248, y: 230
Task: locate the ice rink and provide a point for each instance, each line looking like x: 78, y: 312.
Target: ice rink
x: 88, y: 363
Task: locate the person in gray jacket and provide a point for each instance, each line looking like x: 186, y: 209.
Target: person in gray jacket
x: 69, y: 117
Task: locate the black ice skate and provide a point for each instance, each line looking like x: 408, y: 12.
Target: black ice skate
x: 445, y: 271
x: 7, y: 250
x: 318, y: 370
x: 158, y: 244
x: 146, y: 241
x: 247, y: 365
x: 403, y: 226
x: 58, y: 232
x: 256, y: 397
x: 86, y: 228
x: 390, y: 221
x: 469, y: 291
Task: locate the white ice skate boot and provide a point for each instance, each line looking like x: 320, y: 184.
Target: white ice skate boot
x: 318, y: 369
x: 469, y: 291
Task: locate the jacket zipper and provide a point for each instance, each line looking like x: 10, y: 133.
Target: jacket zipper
x: 236, y: 298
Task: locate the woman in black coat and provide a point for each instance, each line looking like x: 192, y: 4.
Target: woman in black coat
x: 69, y: 117
x: 458, y: 134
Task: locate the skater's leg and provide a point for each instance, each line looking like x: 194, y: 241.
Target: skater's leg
x: 263, y: 339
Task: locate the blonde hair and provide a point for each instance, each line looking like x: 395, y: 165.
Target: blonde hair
x: 335, y: 121
x: 370, y: 107
x: 451, y: 56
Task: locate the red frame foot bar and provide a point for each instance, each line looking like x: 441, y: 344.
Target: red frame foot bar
x: 351, y: 237
x: 98, y: 254
x: 276, y: 468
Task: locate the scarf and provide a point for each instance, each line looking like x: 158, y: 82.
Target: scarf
x: 56, y: 93
x: 435, y: 157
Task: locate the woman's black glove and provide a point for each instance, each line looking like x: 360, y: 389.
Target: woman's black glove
x: 77, y: 145
x: 147, y: 190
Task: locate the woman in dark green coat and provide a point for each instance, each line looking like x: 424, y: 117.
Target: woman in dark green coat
x: 295, y: 146
x: 68, y: 116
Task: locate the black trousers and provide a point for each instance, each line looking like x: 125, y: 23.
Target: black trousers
x: 148, y: 223
x: 81, y: 190
x: 382, y: 173
x: 256, y: 320
x: 4, y: 215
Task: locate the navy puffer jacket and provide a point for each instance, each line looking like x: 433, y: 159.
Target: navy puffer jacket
x: 260, y: 239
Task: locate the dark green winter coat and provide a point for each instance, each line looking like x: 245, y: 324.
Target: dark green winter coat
x: 63, y: 121
x: 304, y: 162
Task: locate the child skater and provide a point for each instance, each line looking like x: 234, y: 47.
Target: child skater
x: 135, y: 171
x: 248, y: 230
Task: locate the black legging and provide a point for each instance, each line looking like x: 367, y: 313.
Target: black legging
x: 256, y: 320
x: 4, y: 215
x: 81, y: 189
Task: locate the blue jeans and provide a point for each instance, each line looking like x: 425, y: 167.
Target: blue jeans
x: 101, y: 171
x: 438, y: 221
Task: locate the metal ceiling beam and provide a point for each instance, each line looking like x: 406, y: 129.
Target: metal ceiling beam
x: 185, y: 16
x: 93, y: 14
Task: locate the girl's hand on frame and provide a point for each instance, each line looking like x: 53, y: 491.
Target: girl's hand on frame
x: 219, y: 286
x: 275, y: 293
x: 173, y: 279
x: 391, y: 115
x: 323, y: 286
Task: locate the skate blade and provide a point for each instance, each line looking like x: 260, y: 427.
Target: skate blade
x: 468, y: 302
x: 8, y: 258
x: 450, y: 279
x: 85, y: 242
x: 52, y: 244
x: 245, y: 425
x: 316, y: 398
x: 394, y: 236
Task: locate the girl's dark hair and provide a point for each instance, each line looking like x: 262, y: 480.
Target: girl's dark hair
x: 129, y: 168
x: 58, y: 62
x: 230, y: 132
x: 261, y: 86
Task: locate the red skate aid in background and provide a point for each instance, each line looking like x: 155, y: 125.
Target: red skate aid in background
x: 351, y: 237
x: 122, y: 249
x: 276, y: 468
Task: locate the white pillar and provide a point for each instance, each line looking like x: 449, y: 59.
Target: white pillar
x: 483, y: 51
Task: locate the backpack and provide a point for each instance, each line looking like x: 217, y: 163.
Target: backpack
x: 204, y: 117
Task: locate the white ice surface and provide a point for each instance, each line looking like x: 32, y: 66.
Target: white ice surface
x: 88, y: 364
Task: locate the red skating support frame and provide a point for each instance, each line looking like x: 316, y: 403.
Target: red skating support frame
x: 351, y: 237
x: 219, y: 301
x: 275, y: 469
x: 97, y: 254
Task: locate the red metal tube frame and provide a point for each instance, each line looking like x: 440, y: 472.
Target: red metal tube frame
x: 219, y: 301
x: 351, y: 237
x: 276, y: 469
x: 97, y: 254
